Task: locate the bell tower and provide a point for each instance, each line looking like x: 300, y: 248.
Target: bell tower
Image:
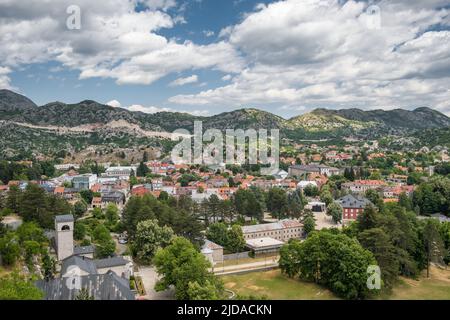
x: 64, y: 236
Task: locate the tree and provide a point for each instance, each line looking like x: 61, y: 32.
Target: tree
x: 368, y: 218
x: 212, y: 206
x: 277, y: 202
x: 87, y: 196
x: 30, y: 231
x: 288, y: 262
x: 326, y: 196
x: 163, y: 196
x: 207, y: 291
x: 9, y: 249
x: 79, y: 208
x: 105, y: 248
x: 145, y: 157
x: 49, y: 266
x: 433, y: 196
x: 180, y: 264
x: 236, y: 241
x: 378, y: 242
x: 16, y: 287
x: 375, y: 197
x: 112, y: 214
x: 149, y: 238
x: 349, y: 174
x: 97, y: 213
x: 405, y: 201
x: 309, y: 224
x: 218, y: 233
x: 232, y: 239
x: 83, y: 294
x: 295, y: 204
x: 79, y: 231
x: 323, y: 256
x: 13, y: 199
x: 142, y: 170
x: 311, y: 190
x: 432, y: 241
x: 413, y: 178
x: 104, y: 244
x: 34, y: 207
x: 335, y: 211
x: 247, y: 204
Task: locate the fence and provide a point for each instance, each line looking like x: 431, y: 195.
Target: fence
x: 236, y: 256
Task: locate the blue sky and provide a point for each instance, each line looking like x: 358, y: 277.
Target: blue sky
x: 211, y: 56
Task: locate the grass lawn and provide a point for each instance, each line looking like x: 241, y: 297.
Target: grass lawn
x: 436, y: 287
x: 275, y: 286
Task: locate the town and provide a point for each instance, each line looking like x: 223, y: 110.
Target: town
x: 94, y: 230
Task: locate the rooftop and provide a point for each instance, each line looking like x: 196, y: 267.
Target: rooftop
x: 107, y: 286
x: 351, y: 201
x: 110, y: 262
x: 263, y: 243
x: 211, y: 245
x: 64, y: 218
x: 283, y: 224
x: 83, y: 250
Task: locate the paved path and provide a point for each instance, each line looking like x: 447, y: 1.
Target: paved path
x: 149, y: 279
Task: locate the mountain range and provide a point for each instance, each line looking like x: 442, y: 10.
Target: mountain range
x: 105, y: 122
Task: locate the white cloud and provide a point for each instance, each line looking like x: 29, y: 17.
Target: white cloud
x: 160, y: 4
x: 208, y: 33
x: 114, y: 42
x: 305, y: 53
x: 153, y: 109
x: 114, y: 103
x: 5, y: 81
x: 289, y: 53
x: 183, y: 81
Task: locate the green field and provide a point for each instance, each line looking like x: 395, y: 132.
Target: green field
x: 275, y: 286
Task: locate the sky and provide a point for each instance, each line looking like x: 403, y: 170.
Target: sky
x: 210, y: 56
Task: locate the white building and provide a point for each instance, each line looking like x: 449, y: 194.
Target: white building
x: 120, y: 172
x: 66, y: 166
x: 282, y: 230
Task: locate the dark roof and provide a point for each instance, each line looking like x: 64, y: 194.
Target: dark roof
x: 113, y: 195
x: 110, y: 262
x: 71, y: 190
x: 85, y: 264
x: 107, y: 286
x: 353, y: 202
x: 78, y: 250
x: 64, y: 218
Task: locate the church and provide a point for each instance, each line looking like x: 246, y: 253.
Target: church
x: 104, y: 279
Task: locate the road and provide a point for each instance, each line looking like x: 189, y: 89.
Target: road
x: 251, y: 266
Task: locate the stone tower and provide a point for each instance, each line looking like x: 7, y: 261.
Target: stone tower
x: 64, y: 236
